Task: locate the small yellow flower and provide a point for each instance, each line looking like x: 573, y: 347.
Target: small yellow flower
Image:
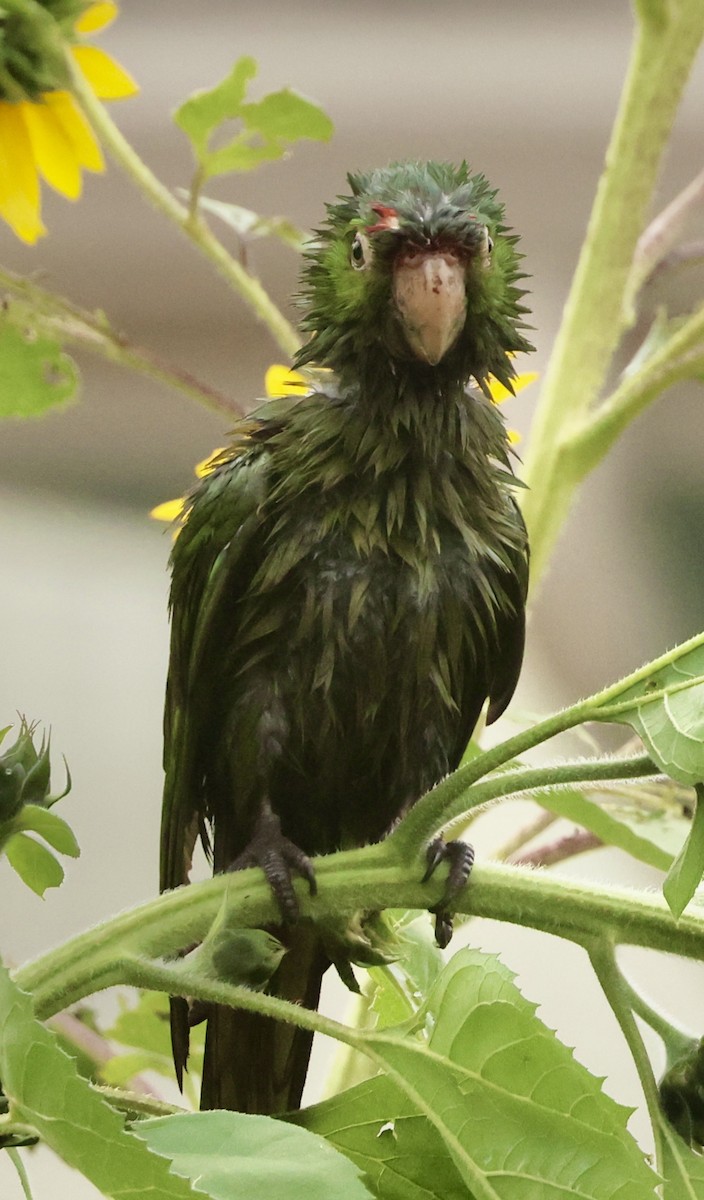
x: 42, y: 130
x: 283, y: 381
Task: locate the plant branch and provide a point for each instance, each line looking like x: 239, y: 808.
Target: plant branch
x: 594, y: 319
x: 93, y: 331
x: 681, y: 357
x: 137, y: 1104
x: 656, y: 242
x: 507, y: 851
x: 603, y: 960
x: 677, y: 1041
x: 368, y: 878
x: 557, y: 851
x: 16, y: 1160
x: 247, y: 286
x: 462, y: 792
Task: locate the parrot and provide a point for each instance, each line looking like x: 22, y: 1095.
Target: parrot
x: 348, y: 585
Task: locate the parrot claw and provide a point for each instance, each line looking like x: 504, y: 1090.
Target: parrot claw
x: 278, y: 858
x: 460, y: 858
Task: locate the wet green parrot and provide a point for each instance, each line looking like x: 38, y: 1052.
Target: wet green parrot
x: 349, y: 583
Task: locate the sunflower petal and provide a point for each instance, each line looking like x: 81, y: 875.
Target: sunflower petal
x: 282, y: 381
x: 107, y: 78
x: 20, y: 201
x: 52, y: 149
x: 170, y: 510
x: 75, y: 127
x: 98, y: 16
x: 499, y: 393
x: 206, y: 465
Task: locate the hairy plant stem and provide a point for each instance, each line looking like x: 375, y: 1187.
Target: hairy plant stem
x: 368, y: 878
x: 240, y: 280
x: 603, y: 960
x: 595, y: 317
x: 448, y: 799
x: 17, y: 1162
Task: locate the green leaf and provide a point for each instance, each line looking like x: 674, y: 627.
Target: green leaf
x: 287, y: 116
x: 206, y: 109
x: 35, y: 865
x: 686, y: 872
x: 236, y: 1154
x: 268, y: 126
x: 143, y: 1027
x: 575, y: 806
x: 46, y: 1092
x: 50, y: 826
x: 35, y: 374
x: 400, y: 988
x: 665, y: 705
x: 667, y: 831
x: 683, y: 1170
x: 240, y: 155
x: 381, y: 1130
x: 510, y: 1109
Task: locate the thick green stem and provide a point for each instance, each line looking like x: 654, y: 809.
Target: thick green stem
x: 603, y: 960
x: 367, y: 878
x: 594, y: 317
x: 247, y: 286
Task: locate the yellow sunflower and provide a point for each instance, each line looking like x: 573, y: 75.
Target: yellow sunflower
x: 42, y: 130
x: 282, y: 381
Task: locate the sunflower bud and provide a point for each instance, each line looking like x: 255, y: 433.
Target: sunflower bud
x: 682, y: 1095
x: 25, y: 773
x: 32, y: 59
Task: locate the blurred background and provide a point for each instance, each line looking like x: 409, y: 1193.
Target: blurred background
x: 527, y: 94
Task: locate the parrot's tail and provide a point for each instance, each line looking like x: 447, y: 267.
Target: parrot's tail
x: 256, y: 1064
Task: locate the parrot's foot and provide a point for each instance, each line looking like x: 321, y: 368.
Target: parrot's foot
x: 278, y: 858
x: 460, y: 857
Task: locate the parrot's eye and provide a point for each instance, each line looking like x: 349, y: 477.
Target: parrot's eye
x: 489, y: 244
x: 360, y: 253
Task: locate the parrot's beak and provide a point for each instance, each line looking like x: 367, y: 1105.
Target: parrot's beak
x: 429, y: 291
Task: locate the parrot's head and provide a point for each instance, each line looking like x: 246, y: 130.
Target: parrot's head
x: 415, y: 269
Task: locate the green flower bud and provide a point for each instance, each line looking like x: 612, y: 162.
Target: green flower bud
x: 32, y: 39
x: 682, y: 1095
x: 25, y: 773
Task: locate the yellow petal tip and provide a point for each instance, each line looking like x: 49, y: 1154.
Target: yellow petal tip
x: 170, y: 510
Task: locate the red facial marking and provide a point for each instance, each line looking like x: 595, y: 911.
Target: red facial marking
x: 388, y: 219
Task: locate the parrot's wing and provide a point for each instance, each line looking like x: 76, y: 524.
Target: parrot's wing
x: 212, y: 554
x: 511, y: 631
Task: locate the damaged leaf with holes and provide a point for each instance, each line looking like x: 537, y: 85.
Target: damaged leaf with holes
x: 35, y: 373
